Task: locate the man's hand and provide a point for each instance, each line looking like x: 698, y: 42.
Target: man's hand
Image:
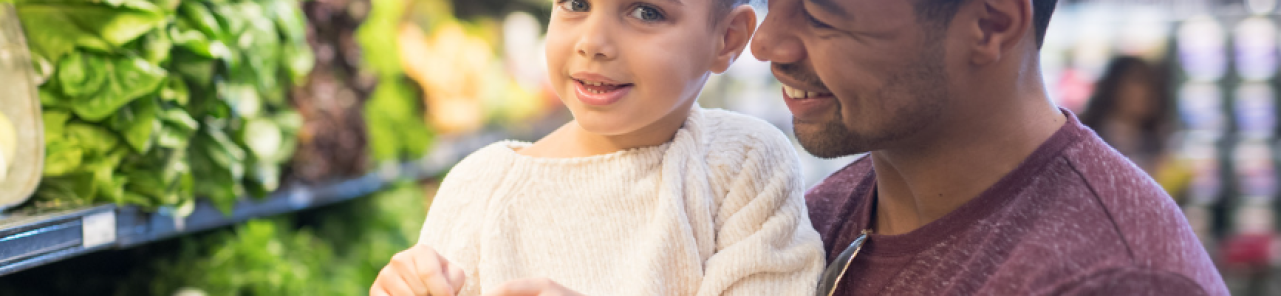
x: 418, y: 271
x: 532, y: 287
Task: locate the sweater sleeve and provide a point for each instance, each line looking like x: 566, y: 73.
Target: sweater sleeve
x: 454, y: 220
x: 765, y: 244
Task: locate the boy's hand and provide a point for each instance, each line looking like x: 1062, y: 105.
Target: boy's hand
x: 532, y: 287
x: 418, y: 271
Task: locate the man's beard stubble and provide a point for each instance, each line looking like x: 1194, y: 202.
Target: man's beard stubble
x: 922, y: 82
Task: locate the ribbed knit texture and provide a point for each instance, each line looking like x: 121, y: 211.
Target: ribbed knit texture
x: 716, y: 211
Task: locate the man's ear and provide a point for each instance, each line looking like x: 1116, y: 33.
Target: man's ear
x: 734, y: 37
x: 997, y: 27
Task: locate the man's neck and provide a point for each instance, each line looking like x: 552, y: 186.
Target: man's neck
x: 922, y: 182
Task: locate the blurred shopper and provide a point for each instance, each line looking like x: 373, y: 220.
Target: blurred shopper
x: 1130, y: 110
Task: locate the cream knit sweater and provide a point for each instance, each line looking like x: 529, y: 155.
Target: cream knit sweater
x: 716, y: 211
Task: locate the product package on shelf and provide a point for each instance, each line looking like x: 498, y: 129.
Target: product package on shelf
x: 152, y: 103
x: 21, y: 139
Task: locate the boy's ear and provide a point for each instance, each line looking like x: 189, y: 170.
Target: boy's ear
x: 734, y: 38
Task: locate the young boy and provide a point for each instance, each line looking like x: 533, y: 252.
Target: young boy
x: 643, y: 193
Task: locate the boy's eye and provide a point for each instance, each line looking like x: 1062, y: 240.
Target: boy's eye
x: 574, y: 5
x: 647, y: 13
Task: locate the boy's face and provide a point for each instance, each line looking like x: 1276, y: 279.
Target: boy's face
x: 624, y: 65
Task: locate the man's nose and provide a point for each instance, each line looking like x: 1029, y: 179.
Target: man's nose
x: 774, y: 41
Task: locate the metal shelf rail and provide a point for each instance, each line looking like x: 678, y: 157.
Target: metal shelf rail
x: 28, y: 241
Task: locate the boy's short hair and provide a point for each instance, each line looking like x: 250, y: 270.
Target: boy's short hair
x: 721, y: 9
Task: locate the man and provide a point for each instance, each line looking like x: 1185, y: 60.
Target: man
x: 976, y: 183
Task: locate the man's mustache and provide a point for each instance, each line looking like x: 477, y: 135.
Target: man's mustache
x: 801, y: 73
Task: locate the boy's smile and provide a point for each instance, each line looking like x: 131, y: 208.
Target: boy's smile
x: 596, y: 90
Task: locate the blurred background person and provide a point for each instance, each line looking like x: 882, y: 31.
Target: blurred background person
x: 1130, y: 110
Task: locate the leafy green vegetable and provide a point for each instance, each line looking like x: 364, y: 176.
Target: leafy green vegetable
x: 198, y: 15
x: 177, y: 128
x: 394, y: 110
x: 65, y: 25
x: 138, y: 123
x: 396, y: 129
x: 176, y: 92
x: 62, y: 158
x: 140, y: 97
x: 104, y: 85
x: 155, y: 46
x: 197, y: 43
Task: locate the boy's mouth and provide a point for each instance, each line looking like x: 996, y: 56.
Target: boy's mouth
x: 600, y: 87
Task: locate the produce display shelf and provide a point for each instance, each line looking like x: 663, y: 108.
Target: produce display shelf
x: 28, y: 241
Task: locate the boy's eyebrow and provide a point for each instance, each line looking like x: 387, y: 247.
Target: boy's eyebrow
x: 831, y: 6
x: 677, y: 2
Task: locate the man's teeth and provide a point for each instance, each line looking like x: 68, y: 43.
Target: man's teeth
x: 800, y: 94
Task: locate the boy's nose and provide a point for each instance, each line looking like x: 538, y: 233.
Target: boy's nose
x: 595, y: 42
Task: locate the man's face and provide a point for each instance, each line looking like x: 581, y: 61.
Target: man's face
x: 858, y: 75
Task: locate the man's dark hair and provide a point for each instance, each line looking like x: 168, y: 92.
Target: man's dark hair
x: 939, y: 13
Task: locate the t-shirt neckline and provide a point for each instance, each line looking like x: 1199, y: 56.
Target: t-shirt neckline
x: 988, y: 202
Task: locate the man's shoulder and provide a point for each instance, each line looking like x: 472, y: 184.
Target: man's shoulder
x: 1095, y: 201
x: 1143, y: 213
x: 1112, y: 176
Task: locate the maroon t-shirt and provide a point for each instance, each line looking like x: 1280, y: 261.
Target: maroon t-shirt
x: 1075, y: 218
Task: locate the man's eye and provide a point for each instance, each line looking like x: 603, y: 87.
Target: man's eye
x: 814, y: 22
x: 649, y: 14
x: 574, y: 5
